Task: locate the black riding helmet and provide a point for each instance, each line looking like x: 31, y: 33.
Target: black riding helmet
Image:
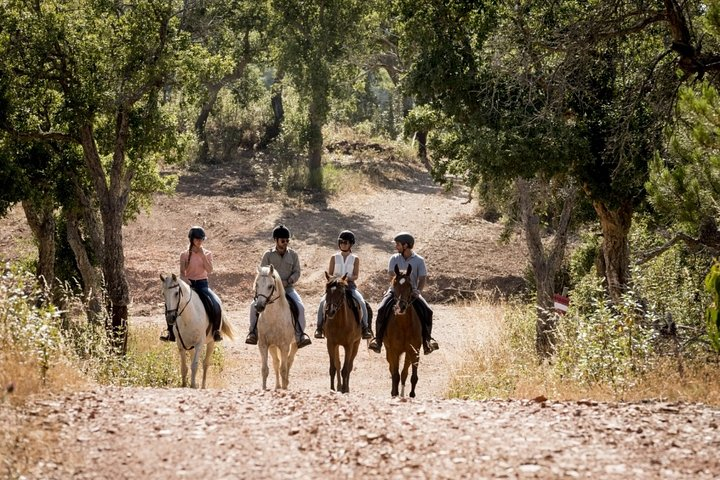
x: 348, y: 236
x: 196, y: 232
x: 281, y: 231
x: 405, y: 237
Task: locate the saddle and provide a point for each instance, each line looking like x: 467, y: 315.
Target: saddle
x: 212, y: 308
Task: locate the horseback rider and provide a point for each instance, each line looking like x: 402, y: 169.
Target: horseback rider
x: 404, y: 243
x: 286, y: 262
x: 196, y: 263
x: 347, y: 263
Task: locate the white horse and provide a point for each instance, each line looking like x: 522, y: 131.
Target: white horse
x: 185, y: 311
x: 276, y: 332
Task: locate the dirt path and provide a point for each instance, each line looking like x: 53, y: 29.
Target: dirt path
x: 235, y: 430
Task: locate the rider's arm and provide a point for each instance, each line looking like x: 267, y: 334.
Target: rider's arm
x: 356, y: 271
x: 421, y: 283
x: 207, y: 258
x: 183, y: 264
x: 295, y: 275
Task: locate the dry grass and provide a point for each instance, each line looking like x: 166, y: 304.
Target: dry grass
x: 505, y: 366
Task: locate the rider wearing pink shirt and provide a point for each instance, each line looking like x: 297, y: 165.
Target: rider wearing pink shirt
x: 196, y: 263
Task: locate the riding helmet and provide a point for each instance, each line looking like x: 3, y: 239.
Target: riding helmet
x: 196, y: 232
x: 281, y: 231
x: 348, y: 236
x: 405, y: 237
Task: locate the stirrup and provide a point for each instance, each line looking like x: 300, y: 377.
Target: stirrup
x: 169, y: 337
x: 304, y: 341
x: 251, y: 339
x: 375, y: 346
x: 367, y: 333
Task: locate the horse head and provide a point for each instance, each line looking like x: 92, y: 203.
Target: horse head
x: 335, y: 289
x: 173, y: 297
x: 402, y: 289
x: 268, y: 287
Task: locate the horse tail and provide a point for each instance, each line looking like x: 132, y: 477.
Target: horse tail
x: 227, y: 328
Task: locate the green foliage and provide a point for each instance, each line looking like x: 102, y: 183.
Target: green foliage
x: 712, y: 319
x: 28, y: 322
x: 603, y: 343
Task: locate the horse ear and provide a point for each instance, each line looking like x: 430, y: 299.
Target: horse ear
x: 162, y: 279
x: 272, y: 269
x: 344, y: 278
x: 327, y: 276
x: 174, y: 277
x: 397, y: 270
x: 409, y: 270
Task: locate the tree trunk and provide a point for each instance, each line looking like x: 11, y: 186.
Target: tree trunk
x: 315, y: 144
x: 615, y: 248
x: 201, y: 122
x: 545, y: 264
x: 91, y: 277
x: 113, y: 198
x: 40, y: 215
x: 276, y: 102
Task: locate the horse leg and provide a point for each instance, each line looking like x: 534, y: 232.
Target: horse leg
x: 414, y: 376
x: 284, y: 370
x: 409, y: 360
x: 275, y: 352
x: 183, y: 366
x: 194, y: 365
x: 333, y: 367
x: 350, y: 354
x: 264, y: 370
x: 206, y: 361
x: 394, y: 362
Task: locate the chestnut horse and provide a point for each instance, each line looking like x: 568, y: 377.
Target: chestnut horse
x: 342, y: 329
x: 403, y: 334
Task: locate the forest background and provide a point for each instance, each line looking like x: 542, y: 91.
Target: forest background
x: 589, y: 127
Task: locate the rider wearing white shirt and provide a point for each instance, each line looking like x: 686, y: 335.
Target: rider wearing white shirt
x: 344, y: 262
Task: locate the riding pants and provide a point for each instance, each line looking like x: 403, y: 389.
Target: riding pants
x: 385, y: 310
x: 295, y: 297
x: 358, y: 298
x: 210, y: 300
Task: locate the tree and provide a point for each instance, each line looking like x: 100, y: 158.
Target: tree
x: 91, y: 75
x: 316, y: 40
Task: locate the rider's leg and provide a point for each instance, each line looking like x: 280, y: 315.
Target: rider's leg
x: 216, y: 319
x: 252, y: 338
x: 301, y: 338
x: 170, y: 336
x: 366, y: 331
x: 384, y: 309
x: 425, y: 313
x: 319, y: 333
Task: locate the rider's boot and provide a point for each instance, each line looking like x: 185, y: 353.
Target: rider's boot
x: 376, y: 344
x: 170, y: 337
x: 303, y: 341
x: 367, y: 332
x: 251, y: 338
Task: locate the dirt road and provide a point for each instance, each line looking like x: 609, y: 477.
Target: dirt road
x: 235, y: 430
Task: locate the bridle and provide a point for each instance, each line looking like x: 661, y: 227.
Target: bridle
x: 402, y: 304
x: 172, y: 315
x: 331, y: 308
x: 268, y: 298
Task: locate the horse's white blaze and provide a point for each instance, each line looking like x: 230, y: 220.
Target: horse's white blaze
x: 402, y: 281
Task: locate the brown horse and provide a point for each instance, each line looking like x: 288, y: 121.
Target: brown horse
x: 341, y: 330
x: 403, y: 334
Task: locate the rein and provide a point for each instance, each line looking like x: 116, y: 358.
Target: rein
x: 268, y: 299
x: 177, y: 314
